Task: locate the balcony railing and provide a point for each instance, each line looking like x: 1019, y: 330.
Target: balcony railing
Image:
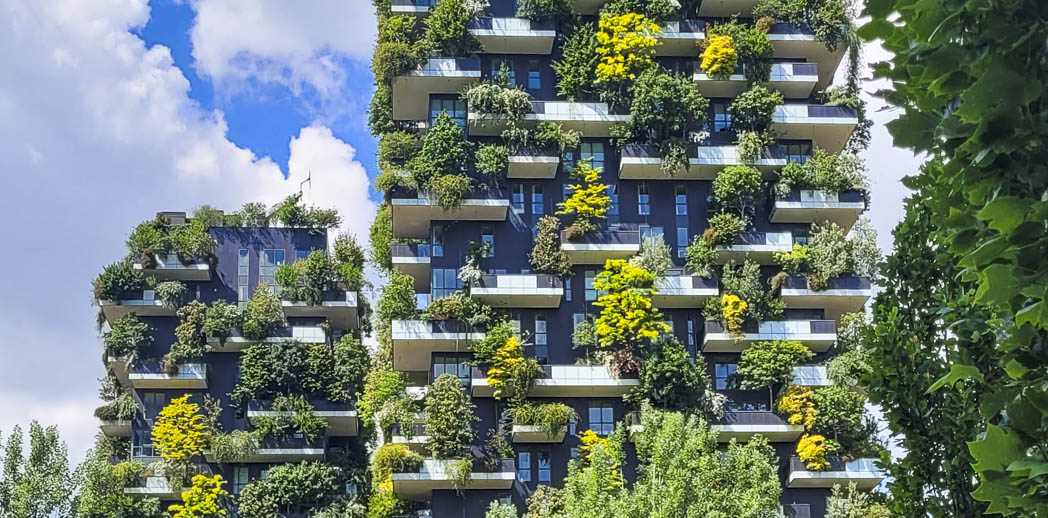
x: 436, y: 474
x: 759, y: 246
x: 533, y: 162
x: 566, y: 381
x: 684, y: 291
x: 863, y: 472
x: 681, y: 38
x: 514, y: 35
x: 411, y: 91
x: 828, y: 127
x: 413, y: 212
x: 144, y: 305
x: 794, y: 80
x: 597, y: 247
x: 813, y: 206
x: 811, y: 376
x: 337, y: 306
x: 840, y: 296
x: 341, y: 418
x: 519, y: 290
x: 593, y: 119
x: 152, y: 374
x: 169, y: 267
x: 237, y: 342
x: 818, y: 335
x: 416, y: 7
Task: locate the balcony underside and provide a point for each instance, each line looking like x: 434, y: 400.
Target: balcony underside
x: 415, y: 443
x: 566, y: 388
x: 682, y: 299
x: 502, y: 41
x: 828, y: 133
x: 116, y: 428
x: 679, y: 44
x: 587, y: 6
x: 834, y: 302
x: 418, y: 268
x: 585, y: 253
x: 178, y: 272
x: 411, y: 92
x: 533, y: 167
x: 527, y: 434
x: 164, y: 381
x: 277, y: 455
x: 518, y: 297
x: 864, y: 480
x: 705, y: 167
x: 726, y: 8
x: 746, y: 432
x: 412, y: 217
x: 414, y: 342
x: 762, y: 254
x: 340, y: 314
x: 340, y: 423
x: 143, y: 308
x: 435, y: 475
x: 805, y: 48
x: 725, y: 343
x: 797, y: 87
x: 843, y: 213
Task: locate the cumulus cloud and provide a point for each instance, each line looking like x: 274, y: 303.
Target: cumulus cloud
x: 97, y: 132
x: 275, y: 41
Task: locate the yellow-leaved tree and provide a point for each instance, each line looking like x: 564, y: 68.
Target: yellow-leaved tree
x: 732, y: 308
x: 626, y: 45
x: 796, y: 403
x: 179, y: 433
x: 812, y: 451
x: 627, y: 315
x: 589, y: 198
x: 719, y: 59
x: 204, y: 499
x: 509, y: 369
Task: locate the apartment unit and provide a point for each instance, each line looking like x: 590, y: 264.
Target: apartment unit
x: 431, y: 242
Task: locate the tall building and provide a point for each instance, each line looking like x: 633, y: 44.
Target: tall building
x: 473, y: 68
x: 221, y: 308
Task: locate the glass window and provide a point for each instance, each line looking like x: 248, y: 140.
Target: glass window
x: 534, y: 79
x: 721, y: 117
x: 240, y: 479
x: 798, y: 152
x: 680, y: 196
x: 436, y: 241
x: 724, y: 376
x: 445, y: 282
x: 643, y: 200
x: 541, y: 346
x: 497, y: 66
x: 543, y: 455
x: 594, y: 152
x: 537, y: 206
x: 269, y: 261
x: 455, y: 364
x: 518, y: 198
x: 243, y: 264
x: 524, y: 465
x: 691, y: 331
x: 487, y: 237
x: 601, y: 418
x: 153, y: 402
x: 567, y: 160
x: 591, y: 292
x: 301, y: 254
x: 454, y: 107
x: 142, y: 444
x: 649, y: 232
x: 567, y: 288
x: 613, y: 207
x: 682, y: 242
x: 576, y: 319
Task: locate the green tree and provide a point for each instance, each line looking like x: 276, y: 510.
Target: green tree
x: 739, y: 188
x: 576, y: 70
x: 447, y: 29
x: 766, y: 363
x: 39, y: 484
x: 444, y: 152
x: 852, y: 503
x: 669, y: 379
x: 546, y: 255
x: 589, y: 200
x: 449, y: 418
x: 663, y: 111
x: 290, y: 489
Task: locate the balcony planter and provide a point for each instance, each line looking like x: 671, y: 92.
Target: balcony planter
x: 436, y: 475
x: 536, y: 434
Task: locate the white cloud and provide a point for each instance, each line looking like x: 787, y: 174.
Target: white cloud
x: 98, y: 133
x: 275, y: 41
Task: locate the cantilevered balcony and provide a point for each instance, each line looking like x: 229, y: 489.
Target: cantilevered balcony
x: 115, y: 427
x: 681, y: 38
x: 152, y: 374
x: 566, y: 381
x: 591, y: 118
x: 748, y: 413
x: 863, y: 472
x: 726, y: 8
x: 169, y: 268
x: 413, y: 214
x: 437, y: 474
x: 341, y: 418
x: 704, y: 162
x: 146, y: 305
x: 283, y: 449
x: 416, y: 440
x: 413, y: 259
x: 597, y: 247
x: 828, y: 127
x: 237, y: 342
x: 338, y: 307
x: 156, y: 487
x: 514, y: 35
x: 811, y: 376
x: 414, y: 341
x: 533, y: 163
x: 818, y: 335
x: 411, y: 91
x: 529, y: 290
x: 683, y: 291
x: 798, y: 43
x: 794, y: 80
x: 811, y: 206
x: 528, y: 434
x: 587, y: 6
x: 758, y: 246
x: 841, y: 295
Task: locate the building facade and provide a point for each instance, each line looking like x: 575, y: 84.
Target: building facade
x: 431, y: 242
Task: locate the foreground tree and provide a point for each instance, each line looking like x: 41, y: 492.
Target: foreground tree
x: 38, y: 485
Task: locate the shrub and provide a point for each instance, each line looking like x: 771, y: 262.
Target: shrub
x: 171, y: 293
x: 767, y: 363
x: 753, y: 109
x: 626, y: 45
x: 449, y: 418
x: 450, y: 189
x: 352, y: 363
x: 269, y: 370
x: 576, y: 70
x: 264, y: 312
x: 752, y: 47
x: 301, y: 419
x: 444, y: 151
x: 701, y: 256
x: 796, y: 403
x: 499, y: 510
x: 495, y: 98
x: 654, y: 256
x: 719, y: 59
x: 726, y: 227
x: 208, y: 216
x: 738, y: 187
x: 123, y: 407
x: 447, y: 31
x: 549, y: 134
x: 393, y: 458
x: 829, y: 255
x: 396, y: 148
x: 546, y: 255
x: 292, y: 489
x: 744, y: 281
x: 585, y: 335
x: 669, y: 379
x: 664, y: 110
x: 828, y: 19
x: 235, y: 446
x: 812, y: 451
x: 627, y: 316
x: 825, y: 172
x: 732, y: 309
x: 510, y: 370
x: 190, y: 340
x: 840, y: 411
x: 253, y: 215
x: 118, y: 281
x: 493, y: 160
x: 751, y: 144
x: 552, y: 417
x: 400, y: 29
x: 848, y: 367
x: 461, y: 473
x: 380, y: 237
x: 192, y: 241
x: 589, y: 200
x: 380, y: 111
x: 866, y: 255
x: 148, y: 236
x: 126, y: 337
x: 793, y: 260
x: 398, y: 298
x: 392, y: 59
x: 220, y: 318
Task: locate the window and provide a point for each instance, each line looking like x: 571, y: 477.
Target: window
x: 724, y: 376
x: 544, y: 465
x: 576, y: 319
x: 798, y: 152
x: 680, y: 197
x: 613, y: 207
x: 647, y: 232
x: 691, y: 331
x: 436, y: 241
x: 541, y: 346
x: 524, y: 465
x: 153, y: 402
x: 142, y: 444
x: 518, y: 198
x: 264, y: 474
x: 445, y: 282
x: 591, y: 291
x: 567, y: 289
x: 643, y: 199
x: 601, y: 418
x: 537, y: 207
x: 534, y: 79
x: 301, y: 254
x: 243, y: 263
x: 454, y: 107
x: 487, y: 237
x: 496, y: 67
x: 567, y: 161
x: 455, y: 364
x: 721, y: 117
x: 682, y: 242
x: 240, y: 479
x: 594, y: 152
x: 269, y: 261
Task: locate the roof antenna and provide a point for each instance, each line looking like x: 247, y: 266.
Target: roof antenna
x: 309, y: 180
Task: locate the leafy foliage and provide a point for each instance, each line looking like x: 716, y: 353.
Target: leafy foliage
x: 381, y: 237
x: 626, y: 46
x: 543, y: 9
x: 101, y: 486
x: 493, y: 160
x: 510, y: 370
x: 296, y: 417
x: 751, y: 45
x: 179, y: 432
x: 796, y: 403
x: 190, y: 339
x: 290, y: 489
x: 546, y: 255
x: 627, y: 316
x: 719, y: 59
x: 739, y: 188
x: 552, y: 417
x: 825, y: 172
x: 724, y: 228
x: 264, y: 312
x: 753, y: 109
x: 767, y: 363
x: 853, y: 503
x: 447, y: 32
x: 268, y: 370
x: 664, y: 110
x: 654, y: 256
x: 589, y: 200
x: 118, y: 281
x: 812, y: 451
x: 220, y: 318
x: 234, y: 446
x: 126, y: 337
x: 204, y: 499
x: 576, y: 69
x: 701, y: 256
x: 670, y: 380
x: 744, y: 282
x: 829, y: 19
x: 38, y: 484
x: 449, y: 418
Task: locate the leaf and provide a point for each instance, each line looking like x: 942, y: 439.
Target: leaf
x: 1015, y: 369
x: 997, y: 285
x: 995, y: 450
x: 1004, y: 213
x: 957, y: 373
